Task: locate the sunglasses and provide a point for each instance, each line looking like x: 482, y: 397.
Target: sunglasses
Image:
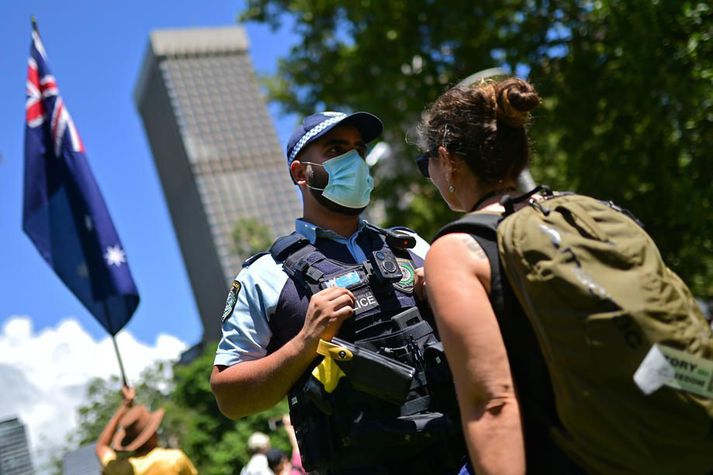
x: 422, y: 163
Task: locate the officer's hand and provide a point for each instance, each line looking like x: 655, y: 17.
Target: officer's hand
x: 419, y: 284
x: 326, y: 311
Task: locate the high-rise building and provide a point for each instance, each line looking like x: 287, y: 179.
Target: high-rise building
x: 216, y: 152
x: 82, y: 461
x: 14, y: 449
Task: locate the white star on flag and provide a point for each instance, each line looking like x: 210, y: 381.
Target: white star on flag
x: 115, y: 256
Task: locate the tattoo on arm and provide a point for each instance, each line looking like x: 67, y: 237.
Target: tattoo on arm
x: 474, y: 247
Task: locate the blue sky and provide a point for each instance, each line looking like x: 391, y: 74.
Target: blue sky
x: 95, y: 51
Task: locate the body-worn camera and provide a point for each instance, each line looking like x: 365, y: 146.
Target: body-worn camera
x: 384, y: 266
x: 400, y: 240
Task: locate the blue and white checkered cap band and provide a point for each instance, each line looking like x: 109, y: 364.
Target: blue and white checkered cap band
x: 336, y: 117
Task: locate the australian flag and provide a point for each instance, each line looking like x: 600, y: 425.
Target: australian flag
x: 64, y: 212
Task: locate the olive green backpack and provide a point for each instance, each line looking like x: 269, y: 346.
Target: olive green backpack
x: 629, y: 352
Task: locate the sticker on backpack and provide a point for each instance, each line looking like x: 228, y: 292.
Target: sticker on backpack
x: 675, y: 369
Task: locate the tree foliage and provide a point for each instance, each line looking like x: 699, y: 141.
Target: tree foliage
x: 628, y: 89
x: 250, y: 236
x: 216, y: 444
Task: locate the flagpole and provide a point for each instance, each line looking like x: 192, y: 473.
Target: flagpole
x: 116, y: 348
x: 121, y: 364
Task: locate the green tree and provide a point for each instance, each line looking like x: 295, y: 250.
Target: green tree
x: 630, y: 118
x: 627, y: 85
x: 216, y: 444
x: 250, y: 236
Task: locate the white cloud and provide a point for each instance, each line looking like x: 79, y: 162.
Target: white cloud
x: 43, y: 375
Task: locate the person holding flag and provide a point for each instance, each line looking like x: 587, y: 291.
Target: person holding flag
x: 64, y: 213
x: 129, y: 443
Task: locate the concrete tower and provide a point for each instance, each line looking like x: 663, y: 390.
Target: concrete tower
x: 216, y: 152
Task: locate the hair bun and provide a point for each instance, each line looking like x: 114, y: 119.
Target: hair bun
x: 516, y: 98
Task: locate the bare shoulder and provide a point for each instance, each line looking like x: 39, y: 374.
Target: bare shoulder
x: 459, y: 245
x: 458, y: 256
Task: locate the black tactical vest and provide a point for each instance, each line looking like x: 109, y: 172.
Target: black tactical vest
x: 395, y: 408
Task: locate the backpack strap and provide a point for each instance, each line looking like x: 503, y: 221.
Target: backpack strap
x: 483, y: 228
x: 481, y: 223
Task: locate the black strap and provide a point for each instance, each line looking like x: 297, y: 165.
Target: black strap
x: 487, y: 196
x: 414, y: 406
x: 509, y: 202
x: 297, y: 256
x: 286, y: 245
x: 300, y: 267
x: 471, y: 224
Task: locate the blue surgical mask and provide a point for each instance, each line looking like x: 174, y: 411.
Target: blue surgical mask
x: 349, y: 183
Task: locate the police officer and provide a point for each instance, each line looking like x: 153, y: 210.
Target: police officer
x: 273, y: 321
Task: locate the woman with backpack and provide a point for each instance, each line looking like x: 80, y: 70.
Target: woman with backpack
x: 573, y: 346
x: 474, y: 147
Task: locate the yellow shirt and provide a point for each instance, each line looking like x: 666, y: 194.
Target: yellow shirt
x: 157, y: 462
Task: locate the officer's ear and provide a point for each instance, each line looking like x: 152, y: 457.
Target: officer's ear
x: 298, y: 170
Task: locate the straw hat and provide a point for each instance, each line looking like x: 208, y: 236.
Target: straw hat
x: 136, y: 427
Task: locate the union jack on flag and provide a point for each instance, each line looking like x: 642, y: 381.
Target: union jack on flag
x: 43, y: 95
x: 64, y: 213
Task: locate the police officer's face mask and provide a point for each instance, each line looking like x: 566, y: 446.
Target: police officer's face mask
x: 349, y: 184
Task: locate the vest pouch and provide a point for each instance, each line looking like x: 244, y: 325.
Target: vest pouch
x: 370, y: 433
x: 312, y: 424
x: 440, y: 380
x: 379, y: 438
x: 363, y: 431
x: 316, y: 448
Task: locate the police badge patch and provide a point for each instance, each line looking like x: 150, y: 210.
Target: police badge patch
x: 231, y: 300
x: 408, y: 275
